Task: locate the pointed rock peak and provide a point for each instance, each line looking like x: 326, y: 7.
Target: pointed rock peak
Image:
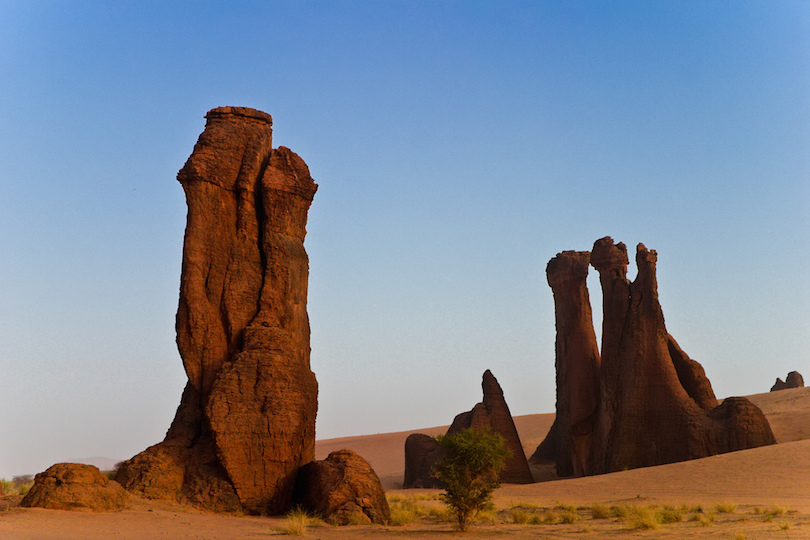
x: 491, y: 386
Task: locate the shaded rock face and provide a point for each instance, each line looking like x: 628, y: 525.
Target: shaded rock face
x: 492, y: 413
x: 794, y: 380
x: 421, y: 453
x: 652, y: 404
x: 342, y: 488
x: 246, y: 421
x: 73, y: 486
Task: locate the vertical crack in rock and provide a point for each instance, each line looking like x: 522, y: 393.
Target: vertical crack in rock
x: 246, y: 422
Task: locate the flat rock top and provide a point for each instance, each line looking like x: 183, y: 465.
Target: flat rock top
x: 247, y: 112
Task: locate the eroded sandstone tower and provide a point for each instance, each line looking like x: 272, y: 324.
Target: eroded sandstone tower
x: 643, y: 401
x: 246, y: 421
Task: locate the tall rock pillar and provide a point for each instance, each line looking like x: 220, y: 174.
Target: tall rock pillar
x: 246, y: 422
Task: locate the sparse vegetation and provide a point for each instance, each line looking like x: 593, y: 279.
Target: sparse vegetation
x: 297, y: 522
x: 725, y: 508
x: 18, y: 485
x: 469, y: 471
x: 599, y: 511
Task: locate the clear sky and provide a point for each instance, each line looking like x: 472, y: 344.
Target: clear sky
x: 458, y: 146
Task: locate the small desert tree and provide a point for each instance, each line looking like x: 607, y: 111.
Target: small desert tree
x: 469, y: 467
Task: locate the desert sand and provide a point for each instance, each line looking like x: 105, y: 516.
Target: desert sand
x: 774, y: 477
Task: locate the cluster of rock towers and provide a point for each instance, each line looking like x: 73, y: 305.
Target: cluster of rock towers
x: 243, y: 437
x: 642, y: 401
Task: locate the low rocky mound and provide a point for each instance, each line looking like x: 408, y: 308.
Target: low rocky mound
x: 73, y: 486
x: 794, y: 380
x: 343, y: 488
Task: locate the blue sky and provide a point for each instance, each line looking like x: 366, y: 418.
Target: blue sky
x: 458, y: 147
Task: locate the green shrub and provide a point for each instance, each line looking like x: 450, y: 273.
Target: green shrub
x: 469, y: 470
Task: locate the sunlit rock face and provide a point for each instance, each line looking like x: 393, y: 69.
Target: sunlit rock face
x: 422, y: 452
x: 246, y: 421
x: 654, y: 404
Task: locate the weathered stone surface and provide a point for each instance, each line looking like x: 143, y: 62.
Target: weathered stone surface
x: 794, y: 380
x: 421, y: 453
x: 493, y: 413
x: 692, y: 376
x: 655, y: 404
x: 246, y: 421
x: 577, y: 365
x: 73, y: 486
x: 342, y: 488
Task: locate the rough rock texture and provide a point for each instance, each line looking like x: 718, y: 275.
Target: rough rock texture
x: 342, y: 488
x: 421, y: 453
x: 794, y: 380
x: 577, y: 365
x: 73, y: 486
x: 655, y: 404
x: 492, y: 413
x: 246, y: 421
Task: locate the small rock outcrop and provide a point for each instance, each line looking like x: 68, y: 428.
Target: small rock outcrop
x: 643, y: 401
x: 794, y: 380
x: 492, y: 413
x: 246, y: 420
x: 344, y: 489
x: 73, y: 486
x: 421, y: 453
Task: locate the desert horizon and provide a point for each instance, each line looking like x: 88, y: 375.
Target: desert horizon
x: 768, y: 488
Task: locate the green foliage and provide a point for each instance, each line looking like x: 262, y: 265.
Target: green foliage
x: 469, y: 470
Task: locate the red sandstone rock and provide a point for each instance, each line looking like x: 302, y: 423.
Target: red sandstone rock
x: 655, y: 404
x: 342, y: 488
x: 794, y: 380
x: 73, y: 486
x: 493, y: 413
x: 246, y: 421
x: 577, y: 365
x: 421, y: 453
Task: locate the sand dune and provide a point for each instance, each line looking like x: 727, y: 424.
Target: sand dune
x: 775, y: 475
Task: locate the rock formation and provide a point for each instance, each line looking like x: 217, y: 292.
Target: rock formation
x: 73, y: 486
x: 246, y: 420
x: 645, y: 402
x: 491, y: 413
x: 421, y: 453
x: 344, y: 489
x: 794, y: 380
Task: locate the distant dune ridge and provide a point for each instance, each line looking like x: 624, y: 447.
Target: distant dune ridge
x: 787, y: 411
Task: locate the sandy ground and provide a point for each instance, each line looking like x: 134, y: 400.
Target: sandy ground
x: 775, y: 477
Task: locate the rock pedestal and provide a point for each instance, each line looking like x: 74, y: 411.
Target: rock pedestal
x: 246, y: 421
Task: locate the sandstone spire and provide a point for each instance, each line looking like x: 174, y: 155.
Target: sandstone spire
x: 246, y: 422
